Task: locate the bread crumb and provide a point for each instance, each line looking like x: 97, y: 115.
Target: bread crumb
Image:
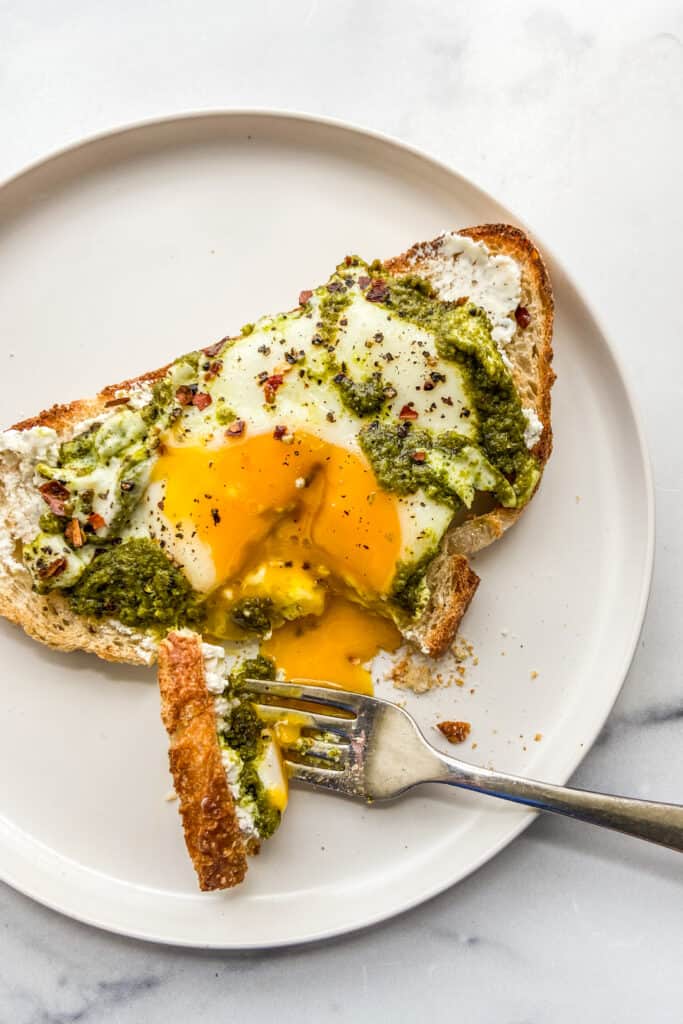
x: 578, y: 499
x: 462, y: 648
x: 411, y: 674
x: 474, y: 746
x: 455, y: 732
x: 534, y: 674
x: 538, y: 737
x: 171, y: 795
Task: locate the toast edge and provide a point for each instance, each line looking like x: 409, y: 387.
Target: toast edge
x: 212, y: 833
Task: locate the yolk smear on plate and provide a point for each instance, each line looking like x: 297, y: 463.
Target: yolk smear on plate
x: 333, y: 646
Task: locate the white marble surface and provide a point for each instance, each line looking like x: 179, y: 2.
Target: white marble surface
x: 570, y: 114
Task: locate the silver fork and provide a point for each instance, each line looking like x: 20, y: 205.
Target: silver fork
x: 372, y: 750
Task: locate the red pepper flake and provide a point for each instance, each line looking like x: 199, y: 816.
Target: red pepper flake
x: 363, y: 282
x: 214, y: 369
x: 201, y: 400
x: 213, y: 350
x: 54, y: 495
x: 55, y: 568
x: 304, y: 296
x: 335, y: 286
x: 270, y: 386
x: 96, y: 521
x: 184, y: 395
x: 378, y: 291
x: 407, y: 413
x: 462, y: 300
x: 455, y: 732
x: 418, y: 456
x: 74, y: 534
x: 280, y: 432
x: 116, y: 401
x: 236, y: 429
x: 523, y: 317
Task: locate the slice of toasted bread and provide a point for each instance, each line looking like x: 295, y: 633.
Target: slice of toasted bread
x: 212, y: 832
x: 452, y: 581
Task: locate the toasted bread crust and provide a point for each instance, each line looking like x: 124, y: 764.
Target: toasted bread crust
x: 212, y: 833
x: 51, y: 620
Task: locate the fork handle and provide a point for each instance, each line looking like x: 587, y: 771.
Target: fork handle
x: 657, y: 822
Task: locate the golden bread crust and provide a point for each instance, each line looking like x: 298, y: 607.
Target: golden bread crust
x: 212, y: 833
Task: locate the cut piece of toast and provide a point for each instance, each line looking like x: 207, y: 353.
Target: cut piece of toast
x: 452, y: 582
x: 219, y: 831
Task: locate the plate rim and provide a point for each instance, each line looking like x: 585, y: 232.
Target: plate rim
x: 525, y: 817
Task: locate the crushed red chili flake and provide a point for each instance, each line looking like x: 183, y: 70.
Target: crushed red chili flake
x: 304, y: 296
x: 462, y: 300
x: 236, y: 429
x: 378, y: 291
x: 116, y: 401
x: 184, y: 395
x: 336, y: 286
x: 54, y: 495
x: 280, y: 432
x: 363, y: 281
x: 214, y: 369
x: 428, y: 385
x: 418, y: 456
x: 74, y: 534
x: 455, y: 732
x: 522, y: 316
x: 214, y: 349
x: 407, y: 413
x: 96, y: 521
x: 55, y: 568
x: 270, y: 386
x: 201, y: 400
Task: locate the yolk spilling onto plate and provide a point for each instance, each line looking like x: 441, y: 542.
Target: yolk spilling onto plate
x: 334, y: 645
x: 272, y: 512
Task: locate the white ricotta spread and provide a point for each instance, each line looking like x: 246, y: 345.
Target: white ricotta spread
x: 461, y: 268
x: 534, y: 427
x: 20, y: 452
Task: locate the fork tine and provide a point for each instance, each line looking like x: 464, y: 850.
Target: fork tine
x: 308, y: 690
x: 324, y: 778
x: 307, y: 719
x: 334, y: 753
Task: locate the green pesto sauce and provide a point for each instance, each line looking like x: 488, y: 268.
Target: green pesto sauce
x: 136, y: 583
x: 332, y: 307
x: 259, y: 667
x: 242, y: 733
x: 463, y: 336
x: 365, y: 397
x: 253, y: 614
x: 51, y: 523
x: 391, y: 451
x: 409, y: 590
x: 224, y: 415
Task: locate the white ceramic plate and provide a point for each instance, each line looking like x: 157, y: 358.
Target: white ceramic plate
x: 148, y: 242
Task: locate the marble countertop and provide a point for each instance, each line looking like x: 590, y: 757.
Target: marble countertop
x: 570, y: 114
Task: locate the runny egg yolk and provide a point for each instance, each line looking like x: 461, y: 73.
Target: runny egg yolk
x: 262, y: 502
x: 309, y: 498
x: 334, y: 646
